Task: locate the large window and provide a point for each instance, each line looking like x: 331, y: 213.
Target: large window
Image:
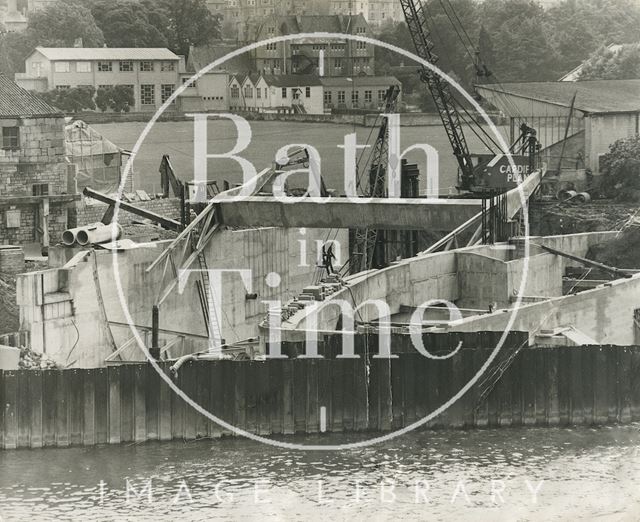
x: 126, y: 66
x: 307, y: 92
x: 340, y: 96
x: 361, y: 45
x: 271, y: 46
x: 327, y: 97
x: 337, y: 63
x: 105, y: 66
x: 166, y: 90
x: 146, y: 66
x: 354, y: 97
x: 83, y: 67
x: 248, y: 91
x: 61, y: 67
x: 147, y: 95
x: 235, y: 91
x: 168, y: 66
x: 367, y: 96
x: 10, y: 137
x: 382, y: 95
x: 284, y: 92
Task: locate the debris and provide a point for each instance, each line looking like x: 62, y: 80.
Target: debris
x: 31, y: 360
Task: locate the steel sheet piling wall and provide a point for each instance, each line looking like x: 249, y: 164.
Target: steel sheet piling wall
x: 130, y: 403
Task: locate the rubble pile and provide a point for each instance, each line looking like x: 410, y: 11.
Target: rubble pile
x: 30, y: 360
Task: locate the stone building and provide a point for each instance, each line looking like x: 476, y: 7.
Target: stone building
x: 33, y: 168
x: 324, y: 56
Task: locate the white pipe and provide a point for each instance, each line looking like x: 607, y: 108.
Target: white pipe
x: 97, y: 233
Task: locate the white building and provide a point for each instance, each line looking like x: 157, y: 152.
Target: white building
x: 210, y: 92
x: 152, y: 73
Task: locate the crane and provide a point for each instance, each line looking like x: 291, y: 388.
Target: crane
x: 475, y: 170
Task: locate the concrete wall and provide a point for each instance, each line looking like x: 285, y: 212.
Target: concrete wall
x: 62, y: 310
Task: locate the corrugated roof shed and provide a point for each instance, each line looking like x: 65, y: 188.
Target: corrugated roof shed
x: 107, y: 53
x: 16, y: 102
x: 594, y: 96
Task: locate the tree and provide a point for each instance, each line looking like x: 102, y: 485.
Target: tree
x: 190, y: 23
x: 621, y: 168
x: 118, y: 98
x: 610, y: 64
x: 487, y: 53
x: 71, y: 100
x: 60, y: 24
x: 131, y: 24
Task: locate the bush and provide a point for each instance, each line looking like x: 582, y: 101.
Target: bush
x: 118, y: 98
x: 72, y: 100
x: 621, y: 169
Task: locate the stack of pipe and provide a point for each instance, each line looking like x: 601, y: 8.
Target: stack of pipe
x: 91, y: 234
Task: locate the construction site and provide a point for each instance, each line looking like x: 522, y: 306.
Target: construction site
x: 316, y: 312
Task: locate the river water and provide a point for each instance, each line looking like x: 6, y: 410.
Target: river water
x: 480, y: 475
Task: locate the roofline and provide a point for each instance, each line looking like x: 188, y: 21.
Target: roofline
x: 504, y: 91
x: 175, y: 56
x: 32, y: 116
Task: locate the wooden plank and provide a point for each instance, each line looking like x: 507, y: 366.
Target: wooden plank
x: 164, y: 405
x: 397, y: 394
x: 541, y: 386
x: 252, y: 398
x: 89, y: 408
x: 276, y: 392
x: 151, y: 402
x: 228, y: 394
x: 240, y: 394
x: 374, y: 395
x: 551, y: 369
x: 178, y: 407
x: 2, y: 408
x: 75, y: 402
x: 300, y: 395
x: 188, y: 384
x: 385, y: 400
x: 127, y: 403
x: 115, y: 421
x: 216, y: 397
x: 529, y: 385
x: 408, y: 372
x: 23, y: 409
x: 600, y: 376
x: 49, y: 382
x: 576, y: 390
x: 613, y: 398
x: 139, y: 402
x: 62, y: 409
x: 263, y: 369
x: 634, y: 374
x: 35, y: 402
x: 456, y: 410
x: 312, y: 407
x: 10, y: 403
x: 101, y: 405
x: 431, y: 389
x: 288, y: 398
x: 624, y: 384
x: 202, y: 375
x: 564, y: 385
x: 589, y: 364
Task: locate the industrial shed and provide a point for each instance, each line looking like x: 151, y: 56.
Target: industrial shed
x: 604, y: 111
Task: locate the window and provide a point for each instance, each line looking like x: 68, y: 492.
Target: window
x: 307, y: 92
x: 361, y: 45
x: 61, y: 67
x: 105, y: 66
x: 271, y: 30
x: 284, y: 92
x: 271, y: 47
x: 62, y: 87
x: 367, y: 96
x: 296, y: 93
x: 265, y: 92
x: 40, y: 189
x: 10, y: 137
x: 354, y: 97
x: 295, y: 49
x: 361, y: 30
x: 83, y: 67
x: 167, y: 66
x: 337, y: 47
x: 147, y: 95
x: 276, y: 64
x: 126, y: 66
x: 235, y: 91
x: 382, y: 95
x: 318, y: 47
x: 192, y: 85
x: 340, y: 96
x: 337, y: 63
x: 166, y: 90
x: 327, y: 97
x: 146, y: 66
x: 248, y: 91
x: 258, y: 92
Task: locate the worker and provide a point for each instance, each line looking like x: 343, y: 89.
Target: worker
x: 327, y: 258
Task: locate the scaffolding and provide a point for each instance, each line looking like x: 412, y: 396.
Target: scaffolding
x: 94, y: 161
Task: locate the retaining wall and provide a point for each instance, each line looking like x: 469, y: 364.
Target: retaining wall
x: 557, y: 386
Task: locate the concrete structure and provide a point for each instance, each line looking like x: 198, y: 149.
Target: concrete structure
x: 357, y: 92
x: 152, y: 74
x: 605, y: 110
x: 341, y: 57
x: 81, y: 294
x: 33, y: 171
x: 483, y: 282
